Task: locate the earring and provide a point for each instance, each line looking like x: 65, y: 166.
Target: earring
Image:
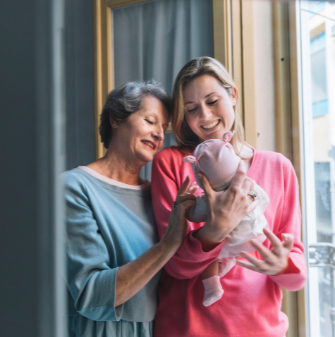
x: 114, y: 125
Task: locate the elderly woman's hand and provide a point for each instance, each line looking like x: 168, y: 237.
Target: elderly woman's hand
x: 275, y: 259
x: 225, y: 210
x: 177, y: 227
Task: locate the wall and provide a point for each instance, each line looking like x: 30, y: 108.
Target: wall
x: 79, y: 85
x: 264, y: 75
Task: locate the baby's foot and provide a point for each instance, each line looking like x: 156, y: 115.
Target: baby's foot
x: 213, y: 290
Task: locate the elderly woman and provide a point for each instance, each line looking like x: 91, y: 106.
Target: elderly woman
x: 112, y: 252
x: 206, y: 107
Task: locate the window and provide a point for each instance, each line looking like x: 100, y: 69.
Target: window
x: 319, y: 75
x: 318, y: 124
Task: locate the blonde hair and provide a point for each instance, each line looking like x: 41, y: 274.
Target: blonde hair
x: 186, y: 138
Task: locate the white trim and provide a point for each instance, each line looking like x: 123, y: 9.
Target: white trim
x: 110, y: 181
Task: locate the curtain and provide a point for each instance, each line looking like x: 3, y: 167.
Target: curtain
x: 154, y: 40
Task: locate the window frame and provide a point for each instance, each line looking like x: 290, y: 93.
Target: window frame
x: 233, y: 35
x: 289, y: 133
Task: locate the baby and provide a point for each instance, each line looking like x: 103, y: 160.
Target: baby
x: 217, y: 160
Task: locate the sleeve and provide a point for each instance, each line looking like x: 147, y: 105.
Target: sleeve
x: 295, y: 275
x: 190, y: 260
x: 91, y: 281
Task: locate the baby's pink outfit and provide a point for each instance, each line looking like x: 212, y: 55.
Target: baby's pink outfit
x: 217, y: 160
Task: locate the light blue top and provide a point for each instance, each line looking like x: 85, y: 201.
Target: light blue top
x: 107, y: 227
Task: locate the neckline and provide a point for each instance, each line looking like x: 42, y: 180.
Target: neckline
x: 113, y: 182
x: 252, y: 165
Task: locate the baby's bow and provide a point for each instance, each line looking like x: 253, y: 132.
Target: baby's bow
x: 189, y: 159
x: 228, y: 136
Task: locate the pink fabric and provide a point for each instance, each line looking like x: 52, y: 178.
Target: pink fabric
x: 251, y: 303
x: 208, y: 157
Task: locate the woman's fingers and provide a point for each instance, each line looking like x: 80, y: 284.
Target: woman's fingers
x: 240, y: 175
x: 187, y: 203
x: 288, y: 241
x: 252, y: 188
x: 266, y: 253
x: 184, y: 186
x: 247, y: 265
x: 253, y: 205
x: 192, y: 188
x: 276, y: 243
x: 205, y: 184
x: 252, y: 259
x: 185, y: 197
x: 247, y: 185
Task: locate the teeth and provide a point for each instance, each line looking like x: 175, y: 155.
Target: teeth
x: 147, y: 143
x: 210, y: 125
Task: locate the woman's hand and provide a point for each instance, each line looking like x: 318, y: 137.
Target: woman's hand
x: 177, y: 227
x: 225, y: 210
x: 275, y: 260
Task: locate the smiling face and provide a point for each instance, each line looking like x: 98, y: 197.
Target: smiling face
x: 142, y: 134
x: 208, y: 107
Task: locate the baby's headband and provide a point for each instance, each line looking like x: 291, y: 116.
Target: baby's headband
x: 228, y: 136
x: 226, y: 139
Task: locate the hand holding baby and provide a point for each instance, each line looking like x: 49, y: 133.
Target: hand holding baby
x: 225, y: 210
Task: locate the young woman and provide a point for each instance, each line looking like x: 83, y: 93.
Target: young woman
x: 205, y: 107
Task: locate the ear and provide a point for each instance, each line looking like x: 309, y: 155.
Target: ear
x: 228, y: 136
x: 234, y: 96
x: 112, y: 122
x: 189, y: 159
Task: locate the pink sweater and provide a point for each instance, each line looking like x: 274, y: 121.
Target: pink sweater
x: 251, y: 302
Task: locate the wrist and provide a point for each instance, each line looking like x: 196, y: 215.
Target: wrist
x: 285, y: 269
x: 169, y: 245
x: 208, y: 238
x: 212, y: 233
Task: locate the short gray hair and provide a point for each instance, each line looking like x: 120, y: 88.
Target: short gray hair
x: 127, y: 99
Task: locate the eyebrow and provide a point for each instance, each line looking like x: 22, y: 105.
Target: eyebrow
x: 214, y: 92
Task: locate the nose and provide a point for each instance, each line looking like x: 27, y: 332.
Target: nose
x: 159, y: 133
x: 205, y: 112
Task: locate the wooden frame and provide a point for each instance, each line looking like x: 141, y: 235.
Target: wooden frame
x: 288, y: 127
x: 234, y: 47
x: 248, y: 72
x: 222, y: 33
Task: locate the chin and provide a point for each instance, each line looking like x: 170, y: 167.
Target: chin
x: 146, y: 158
x: 213, y: 135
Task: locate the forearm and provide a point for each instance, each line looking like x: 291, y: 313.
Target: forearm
x: 133, y: 276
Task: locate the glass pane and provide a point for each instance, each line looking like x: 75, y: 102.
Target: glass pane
x: 154, y: 40
x: 318, y: 88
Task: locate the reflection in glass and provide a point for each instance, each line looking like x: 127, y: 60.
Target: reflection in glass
x: 318, y: 78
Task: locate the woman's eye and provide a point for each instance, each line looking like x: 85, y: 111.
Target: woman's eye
x: 150, y: 122
x: 213, y: 102
x: 192, y: 111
